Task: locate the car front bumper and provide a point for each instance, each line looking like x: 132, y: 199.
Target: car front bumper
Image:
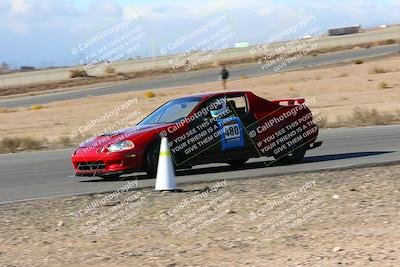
x: 92, y: 162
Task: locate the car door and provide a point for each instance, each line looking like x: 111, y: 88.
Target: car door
x: 237, y: 127
x: 204, y: 141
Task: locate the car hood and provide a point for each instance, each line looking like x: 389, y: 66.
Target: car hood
x: 120, y: 135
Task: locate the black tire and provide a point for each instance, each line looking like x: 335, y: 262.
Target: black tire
x: 293, y: 154
x: 237, y: 162
x: 110, y: 177
x: 151, y: 159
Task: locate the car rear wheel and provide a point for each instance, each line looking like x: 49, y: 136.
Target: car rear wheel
x: 237, y: 162
x: 293, y: 154
x: 151, y: 159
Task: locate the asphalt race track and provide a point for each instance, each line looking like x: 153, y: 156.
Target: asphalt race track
x: 199, y: 77
x: 46, y: 173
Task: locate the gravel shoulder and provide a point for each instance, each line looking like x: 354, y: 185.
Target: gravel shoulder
x: 329, y: 218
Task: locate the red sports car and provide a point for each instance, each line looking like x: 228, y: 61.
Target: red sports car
x: 223, y: 127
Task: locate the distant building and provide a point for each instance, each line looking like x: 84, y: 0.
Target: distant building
x: 4, y: 67
x: 243, y: 44
x: 26, y: 68
x: 343, y: 31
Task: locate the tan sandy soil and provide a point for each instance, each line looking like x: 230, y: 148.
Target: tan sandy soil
x: 351, y: 218
x: 43, y: 80
x: 337, y: 91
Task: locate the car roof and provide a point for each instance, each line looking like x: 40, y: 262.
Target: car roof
x: 211, y: 94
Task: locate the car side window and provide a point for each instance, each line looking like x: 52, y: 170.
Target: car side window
x: 234, y: 105
x: 238, y: 105
x: 212, y: 104
x: 176, y: 112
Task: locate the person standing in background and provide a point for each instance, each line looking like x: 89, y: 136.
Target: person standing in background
x: 224, y: 76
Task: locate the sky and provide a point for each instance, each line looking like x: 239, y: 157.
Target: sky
x: 43, y: 32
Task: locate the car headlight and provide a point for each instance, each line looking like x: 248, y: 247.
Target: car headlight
x: 120, y: 146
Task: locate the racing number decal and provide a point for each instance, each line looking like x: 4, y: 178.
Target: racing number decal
x: 231, y: 131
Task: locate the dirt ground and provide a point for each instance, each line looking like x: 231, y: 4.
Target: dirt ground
x: 337, y: 91
x: 329, y: 218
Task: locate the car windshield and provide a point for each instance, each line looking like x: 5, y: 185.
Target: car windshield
x: 172, y: 111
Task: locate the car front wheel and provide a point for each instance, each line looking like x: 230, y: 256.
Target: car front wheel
x: 110, y: 177
x: 151, y: 159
